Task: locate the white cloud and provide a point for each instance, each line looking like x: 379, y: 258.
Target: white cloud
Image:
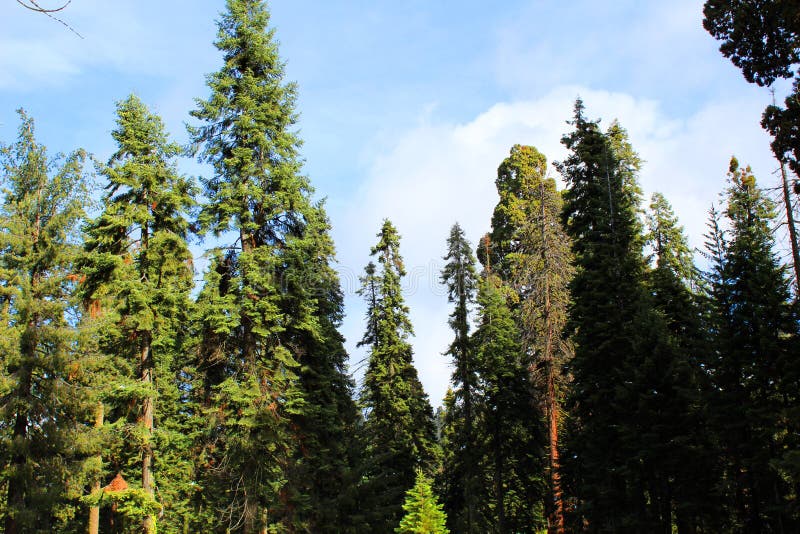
x: 438, y: 173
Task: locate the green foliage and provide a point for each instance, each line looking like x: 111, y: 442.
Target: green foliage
x: 43, y: 405
x: 399, y: 430
x: 272, y: 364
x: 635, y: 425
x: 761, y: 37
x: 138, y: 272
x: 755, y: 330
x: 423, y: 514
x: 784, y: 126
x: 459, y: 476
x: 509, y: 432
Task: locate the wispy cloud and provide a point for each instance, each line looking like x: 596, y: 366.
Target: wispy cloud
x: 438, y: 173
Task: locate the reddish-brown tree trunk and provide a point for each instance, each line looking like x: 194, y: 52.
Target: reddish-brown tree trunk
x: 94, y: 511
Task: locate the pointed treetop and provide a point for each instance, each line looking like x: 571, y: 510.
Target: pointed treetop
x: 388, y: 247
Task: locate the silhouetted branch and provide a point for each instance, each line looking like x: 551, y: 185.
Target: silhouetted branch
x: 33, y: 5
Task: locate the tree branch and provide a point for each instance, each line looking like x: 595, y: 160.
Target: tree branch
x: 33, y: 5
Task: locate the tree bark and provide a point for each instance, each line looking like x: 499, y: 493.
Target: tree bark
x: 94, y: 511
x: 557, y: 519
x: 148, y: 524
x: 787, y: 202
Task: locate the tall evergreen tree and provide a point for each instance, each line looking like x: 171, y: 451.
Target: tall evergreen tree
x: 138, y: 263
x: 528, y: 248
x: 399, y: 427
x: 626, y: 396
x: 755, y: 331
x: 462, y: 477
x: 672, y: 282
x: 283, y: 384
x: 511, y: 459
x: 543, y: 272
x: 42, y: 408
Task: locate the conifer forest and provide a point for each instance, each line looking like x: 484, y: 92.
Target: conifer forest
x: 607, y: 377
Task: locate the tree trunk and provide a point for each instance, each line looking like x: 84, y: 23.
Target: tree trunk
x: 557, y: 524
x: 787, y: 202
x: 16, y: 486
x: 146, y: 361
x: 498, y: 479
x: 557, y: 520
x: 94, y: 511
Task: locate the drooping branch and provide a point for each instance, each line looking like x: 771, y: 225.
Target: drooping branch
x: 33, y: 5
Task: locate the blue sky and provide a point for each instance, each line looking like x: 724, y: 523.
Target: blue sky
x: 407, y: 107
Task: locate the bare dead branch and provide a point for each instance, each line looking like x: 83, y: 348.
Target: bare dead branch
x: 39, y: 9
x: 33, y: 5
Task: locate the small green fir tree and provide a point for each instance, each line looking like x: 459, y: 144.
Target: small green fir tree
x: 424, y: 514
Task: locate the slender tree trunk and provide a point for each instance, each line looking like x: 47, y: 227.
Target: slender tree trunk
x: 787, y: 202
x: 264, y: 522
x: 498, y: 480
x: 16, y: 487
x: 147, y: 421
x: 94, y: 511
x: 469, y: 486
x: 253, y: 515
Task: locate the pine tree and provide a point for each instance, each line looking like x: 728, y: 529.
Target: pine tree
x: 138, y: 263
x: 542, y: 274
x: 762, y: 38
x: 512, y: 500
x: 399, y: 427
x: 43, y: 407
x: 461, y: 279
x: 672, y: 282
x: 329, y: 456
x: 272, y: 327
x: 627, y: 396
x: 755, y: 329
x: 424, y: 515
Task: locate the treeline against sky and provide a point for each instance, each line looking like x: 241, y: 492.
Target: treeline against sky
x: 602, y: 381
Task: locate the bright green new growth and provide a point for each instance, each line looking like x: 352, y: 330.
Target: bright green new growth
x: 424, y: 515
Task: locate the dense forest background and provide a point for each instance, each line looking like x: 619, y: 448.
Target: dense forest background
x: 606, y: 376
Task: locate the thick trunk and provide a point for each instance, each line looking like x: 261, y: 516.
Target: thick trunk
x: 557, y: 521
x: 94, y: 511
